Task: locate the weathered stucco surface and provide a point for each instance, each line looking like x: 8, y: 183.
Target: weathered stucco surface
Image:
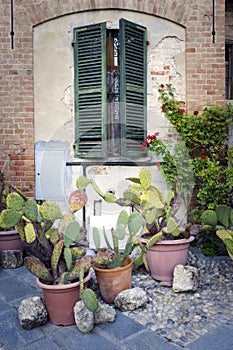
x: 53, y: 68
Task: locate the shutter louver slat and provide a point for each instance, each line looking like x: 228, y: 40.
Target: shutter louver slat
x: 90, y: 90
x: 133, y: 86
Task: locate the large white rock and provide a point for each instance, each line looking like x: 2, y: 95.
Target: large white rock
x: 131, y: 299
x: 185, y: 278
x: 105, y: 313
x: 32, y: 312
x: 84, y: 318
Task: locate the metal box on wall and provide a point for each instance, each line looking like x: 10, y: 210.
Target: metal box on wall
x: 50, y: 170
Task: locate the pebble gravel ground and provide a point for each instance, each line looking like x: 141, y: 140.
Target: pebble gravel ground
x: 183, y: 317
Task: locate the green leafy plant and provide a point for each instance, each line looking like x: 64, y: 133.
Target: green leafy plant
x: 220, y: 221
x: 209, y: 158
x: 51, y: 240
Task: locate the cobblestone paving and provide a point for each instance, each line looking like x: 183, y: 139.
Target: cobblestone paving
x: 183, y: 317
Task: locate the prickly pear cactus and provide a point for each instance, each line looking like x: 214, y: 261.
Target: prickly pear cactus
x: 172, y: 227
x: 77, y: 200
x: 30, y: 210
x: 37, y: 268
x: 132, y: 196
x: 15, y: 201
x: 227, y: 237
x: 209, y: 217
x: 104, y: 257
x: 30, y: 234
x: 145, y: 178
x: 223, y: 215
x: 82, y: 264
x: 72, y: 233
x: 50, y: 210
x: 90, y: 300
x: 134, y: 223
x: 9, y: 218
x: 63, y: 223
x: 57, y: 251
x: 153, y: 239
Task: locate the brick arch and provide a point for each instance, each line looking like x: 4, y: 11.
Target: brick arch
x: 177, y: 11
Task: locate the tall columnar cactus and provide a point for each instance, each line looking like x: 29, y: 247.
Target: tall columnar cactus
x: 221, y: 221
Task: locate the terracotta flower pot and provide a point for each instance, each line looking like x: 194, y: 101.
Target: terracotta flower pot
x: 113, y: 281
x: 60, y: 301
x: 165, y: 255
x: 10, y: 240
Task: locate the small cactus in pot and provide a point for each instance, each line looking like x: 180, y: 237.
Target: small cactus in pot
x: 51, y: 240
x: 158, y: 214
x: 127, y: 226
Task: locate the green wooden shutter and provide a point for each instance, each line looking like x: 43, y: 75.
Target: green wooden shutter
x: 133, y: 92
x: 90, y: 90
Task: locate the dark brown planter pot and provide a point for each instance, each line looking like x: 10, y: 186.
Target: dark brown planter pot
x: 165, y: 255
x: 113, y: 281
x: 10, y: 240
x: 60, y: 301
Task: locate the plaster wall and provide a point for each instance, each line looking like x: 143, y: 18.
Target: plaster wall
x: 54, y: 90
x: 53, y: 68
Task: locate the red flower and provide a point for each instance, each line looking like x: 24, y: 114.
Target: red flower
x: 162, y: 86
x: 169, y: 135
x: 182, y: 111
x: 195, y: 112
x: 163, y: 107
x: 203, y: 156
x: 158, y: 163
x: 144, y: 144
x: 152, y: 137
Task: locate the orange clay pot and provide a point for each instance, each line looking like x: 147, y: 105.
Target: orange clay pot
x: 113, y: 281
x: 60, y: 301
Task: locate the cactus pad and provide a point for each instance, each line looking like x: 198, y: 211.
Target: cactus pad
x: 83, y: 264
x: 30, y: 234
x: 65, y: 220
x: 134, y: 223
x: 14, y: 201
x: 90, y: 300
x: 209, y: 217
x: 9, y: 218
x: 50, y: 210
x: 31, y: 210
x: 77, y: 200
x: 56, y: 256
x: 153, y: 240
x: 37, y: 268
x: 68, y: 258
x: 223, y: 215
x: 145, y: 178
x: 72, y: 233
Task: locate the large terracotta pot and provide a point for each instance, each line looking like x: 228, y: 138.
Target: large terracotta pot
x: 10, y: 240
x: 165, y: 255
x: 60, y: 301
x: 113, y: 281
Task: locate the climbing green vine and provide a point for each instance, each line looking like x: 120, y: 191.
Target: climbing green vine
x: 206, y: 169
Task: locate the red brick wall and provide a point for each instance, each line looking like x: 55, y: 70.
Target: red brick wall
x: 205, y: 65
